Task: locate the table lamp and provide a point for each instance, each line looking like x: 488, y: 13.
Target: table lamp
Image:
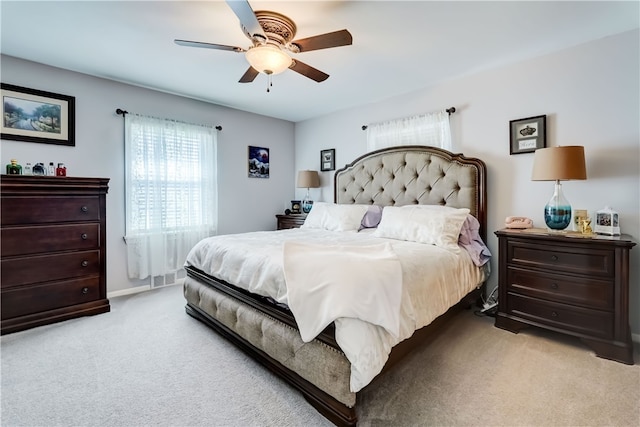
x: 308, y: 179
x: 558, y: 164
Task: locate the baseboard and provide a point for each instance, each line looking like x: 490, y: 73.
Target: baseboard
x: 138, y: 289
x: 128, y: 291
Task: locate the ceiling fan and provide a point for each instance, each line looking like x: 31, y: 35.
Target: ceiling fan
x: 271, y: 35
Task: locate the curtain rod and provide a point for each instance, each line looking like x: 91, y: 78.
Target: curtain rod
x: 122, y: 113
x: 448, y: 110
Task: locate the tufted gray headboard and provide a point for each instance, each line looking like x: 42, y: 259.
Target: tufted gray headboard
x: 415, y: 174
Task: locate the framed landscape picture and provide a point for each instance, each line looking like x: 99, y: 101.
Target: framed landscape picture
x: 32, y: 115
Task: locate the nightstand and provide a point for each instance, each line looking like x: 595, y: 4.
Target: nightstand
x: 568, y: 283
x: 290, y: 221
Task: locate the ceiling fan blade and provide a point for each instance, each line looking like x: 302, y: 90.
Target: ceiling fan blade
x: 308, y: 71
x: 324, y: 41
x: 247, y: 17
x: 249, y: 75
x: 208, y: 45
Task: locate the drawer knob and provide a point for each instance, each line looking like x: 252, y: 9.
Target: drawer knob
x: 84, y: 209
x: 85, y: 290
x: 84, y: 236
x: 554, y: 257
x: 554, y: 285
x: 85, y: 263
x: 554, y: 314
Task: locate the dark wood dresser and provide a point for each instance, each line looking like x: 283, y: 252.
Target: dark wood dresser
x: 290, y: 221
x: 53, y: 249
x: 567, y: 283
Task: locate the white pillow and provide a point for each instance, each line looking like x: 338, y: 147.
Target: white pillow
x: 333, y: 217
x: 430, y: 224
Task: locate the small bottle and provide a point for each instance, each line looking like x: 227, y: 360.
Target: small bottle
x: 28, y: 170
x: 14, y: 168
x: 39, y: 169
x: 51, y: 171
x: 61, y: 170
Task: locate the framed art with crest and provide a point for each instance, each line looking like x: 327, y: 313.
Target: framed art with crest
x: 527, y: 135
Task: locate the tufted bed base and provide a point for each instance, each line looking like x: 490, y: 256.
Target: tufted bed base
x: 319, y: 369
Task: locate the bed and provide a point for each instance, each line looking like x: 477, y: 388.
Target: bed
x: 330, y: 356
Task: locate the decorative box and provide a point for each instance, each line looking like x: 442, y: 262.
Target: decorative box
x: 607, y: 222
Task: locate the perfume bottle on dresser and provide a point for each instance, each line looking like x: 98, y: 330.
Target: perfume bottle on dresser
x: 39, y: 169
x: 14, y: 168
x: 61, y: 170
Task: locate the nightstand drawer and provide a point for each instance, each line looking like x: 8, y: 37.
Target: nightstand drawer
x: 593, y: 323
x: 561, y: 288
x: 290, y: 221
x: 566, y: 259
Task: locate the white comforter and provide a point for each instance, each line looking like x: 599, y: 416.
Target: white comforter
x: 326, y: 282
x: 434, y: 279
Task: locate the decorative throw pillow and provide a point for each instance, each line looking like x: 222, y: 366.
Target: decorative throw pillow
x: 334, y: 217
x: 372, y: 217
x: 429, y: 224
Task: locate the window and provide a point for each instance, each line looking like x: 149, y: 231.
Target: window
x: 171, y: 192
x: 428, y: 129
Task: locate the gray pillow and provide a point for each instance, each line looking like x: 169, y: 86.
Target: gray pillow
x: 371, y: 218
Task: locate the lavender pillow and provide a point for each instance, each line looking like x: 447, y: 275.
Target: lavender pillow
x: 371, y: 218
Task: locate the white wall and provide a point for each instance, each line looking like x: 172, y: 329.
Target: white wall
x: 245, y: 204
x: 591, y: 96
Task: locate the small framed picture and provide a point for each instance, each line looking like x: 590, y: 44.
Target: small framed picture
x: 295, y: 206
x: 527, y: 135
x: 328, y: 160
x: 33, y: 115
x: 258, y: 162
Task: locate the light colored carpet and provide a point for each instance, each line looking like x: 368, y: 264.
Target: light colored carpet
x: 147, y: 363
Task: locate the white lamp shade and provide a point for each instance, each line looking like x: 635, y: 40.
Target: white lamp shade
x: 308, y: 179
x: 268, y: 59
x: 559, y: 164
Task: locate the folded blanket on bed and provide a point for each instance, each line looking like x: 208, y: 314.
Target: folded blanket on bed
x: 326, y: 282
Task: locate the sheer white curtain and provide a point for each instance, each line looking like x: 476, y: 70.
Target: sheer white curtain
x: 427, y: 129
x: 171, y: 192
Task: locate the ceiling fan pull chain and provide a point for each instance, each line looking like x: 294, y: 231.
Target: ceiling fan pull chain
x: 269, y: 82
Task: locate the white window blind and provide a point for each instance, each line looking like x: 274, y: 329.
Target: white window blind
x: 171, y: 192
x: 427, y: 129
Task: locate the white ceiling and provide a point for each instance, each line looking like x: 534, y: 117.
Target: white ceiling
x: 397, y: 46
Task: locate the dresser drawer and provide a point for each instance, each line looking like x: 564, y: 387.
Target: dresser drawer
x: 45, y: 268
x: 51, y: 238
x: 35, y: 210
x: 593, y: 323
x: 580, y: 291
x: 33, y: 299
x: 566, y: 259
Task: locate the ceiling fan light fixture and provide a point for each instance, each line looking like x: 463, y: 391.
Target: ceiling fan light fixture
x: 268, y: 59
